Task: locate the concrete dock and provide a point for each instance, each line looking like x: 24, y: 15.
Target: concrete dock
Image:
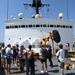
x: 51, y: 70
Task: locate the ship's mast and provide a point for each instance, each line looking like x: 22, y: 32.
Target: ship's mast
x: 37, y: 4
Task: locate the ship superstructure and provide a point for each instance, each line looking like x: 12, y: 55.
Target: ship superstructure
x: 25, y: 31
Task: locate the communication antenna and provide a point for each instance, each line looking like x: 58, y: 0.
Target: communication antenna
x: 67, y: 10
x: 7, y: 8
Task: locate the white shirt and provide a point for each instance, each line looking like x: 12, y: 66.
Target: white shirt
x: 61, y: 54
x: 8, y: 50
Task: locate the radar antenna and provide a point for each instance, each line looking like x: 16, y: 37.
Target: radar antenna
x: 36, y: 4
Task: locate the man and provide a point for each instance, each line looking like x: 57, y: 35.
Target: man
x: 61, y: 58
x: 43, y: 59
x: 22, y: 58
x: 30, y: 61
x: 9, y: 54
x: 50, y: 56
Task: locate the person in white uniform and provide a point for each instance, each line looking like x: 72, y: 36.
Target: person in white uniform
x: 61, y: 58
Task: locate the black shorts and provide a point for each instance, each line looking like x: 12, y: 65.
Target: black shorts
x: 8, y: 61
x: 22, y: 60
x: 43, y: 60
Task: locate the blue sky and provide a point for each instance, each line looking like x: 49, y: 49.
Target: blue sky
x: 16, y: 7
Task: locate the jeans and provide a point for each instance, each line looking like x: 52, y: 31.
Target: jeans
x: 30, y: 65
x: 50, y: 60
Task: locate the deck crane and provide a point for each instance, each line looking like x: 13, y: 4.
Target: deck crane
x: 54, y: 36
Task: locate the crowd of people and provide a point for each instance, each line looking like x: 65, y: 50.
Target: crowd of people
x: 26, y: 58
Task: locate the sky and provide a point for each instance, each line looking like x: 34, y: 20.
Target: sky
x: 16, y: 6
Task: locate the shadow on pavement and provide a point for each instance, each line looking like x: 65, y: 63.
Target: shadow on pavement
x: 14, y: 68
x: 42, y: 74
x: 2, y: 71
x: 18, y: 72
x: 70, y: 74
x: 55, y: 65
x: 55, y: 71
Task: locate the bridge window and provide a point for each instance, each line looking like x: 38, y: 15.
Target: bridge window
x: 58, y: 26
x: 23, y: 26
x: 51, y: 25
x: 16, y: 26
x: 7, y: 27
x: 37, y: 25
x: 70, y: 26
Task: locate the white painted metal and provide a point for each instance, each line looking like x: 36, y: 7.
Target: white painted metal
x: 33, y: 35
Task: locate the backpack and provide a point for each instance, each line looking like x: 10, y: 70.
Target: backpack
x: 8, y: 55
x: 30, y: 55
x: 44, y: 53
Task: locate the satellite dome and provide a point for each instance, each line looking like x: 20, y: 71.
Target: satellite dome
x: 20, y: 15
x: 37, y: 16
x: 61, y: 15
x: 33, y: 16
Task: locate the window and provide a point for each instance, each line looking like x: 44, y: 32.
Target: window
x: 55, y: 26
x: 19, y: 38
x: 26, y: 25
x: 48, y: 25
x: 51, y: 25
x: 37, y: 25
x: 44, y: 25
x: 33, y: 25
x: 23, y: 26
x: 9, y: 38
x: 30, y: 25
x: 58, y: 26
x: 7, y: 27
x: 41, y: 25
x: 11, y: 26
x: 16, y: 26
x: 66, y: 26
x: 63, y: 26
x: 20, y: 26
x: 29, y: 38
x: 70, y: 26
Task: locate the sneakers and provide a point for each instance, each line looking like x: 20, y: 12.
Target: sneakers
x: 51, y: 65
x: 9, y: 72
x: 46, y: 71
x: 62, y: 74
x: 42, y: 71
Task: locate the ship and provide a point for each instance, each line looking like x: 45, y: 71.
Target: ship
x: 25, y: 31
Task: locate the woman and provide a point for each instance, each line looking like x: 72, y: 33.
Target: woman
x: 22, y: 58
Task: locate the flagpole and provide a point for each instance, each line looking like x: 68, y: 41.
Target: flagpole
x: 7, y: 9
